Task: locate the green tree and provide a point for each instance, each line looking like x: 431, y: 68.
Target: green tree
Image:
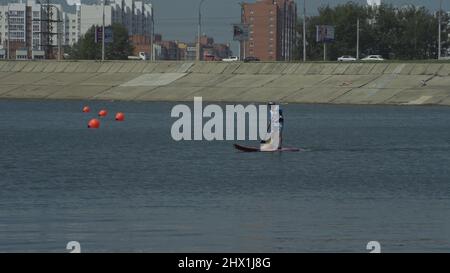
x: 87, y: 49
x: 401, y: 33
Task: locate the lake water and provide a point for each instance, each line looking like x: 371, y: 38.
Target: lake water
x: 370, y: 173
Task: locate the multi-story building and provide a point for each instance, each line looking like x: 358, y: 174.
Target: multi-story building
x: 29, y: 26
x: 271, y: 29
x: 127, y: 14
x: 374, y: 3
x: 209, y: 50
x: 135, y: 16
x: 72, y: 26
x: 91, y: 15
x: 16, y: 27
x: 21, y: 29
x: 213, y: 51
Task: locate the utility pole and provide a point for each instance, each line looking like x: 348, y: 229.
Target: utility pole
x: 357, y: 39
x: 439, y: 29
x: 199, y: 29
x: 152, y: 30
x: 241, y: 4
x: 153, y: 40
x: 304, y: 30
x: 103, y: 31
x: 9, y: 36
x: 59, y: 34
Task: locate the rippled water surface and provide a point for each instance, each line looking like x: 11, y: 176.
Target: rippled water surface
x: 369, y: 173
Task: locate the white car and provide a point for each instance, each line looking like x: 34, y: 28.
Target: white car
x: 346, y: 58
x: 373, y: 58
x: 231, y: 59
x: 142, y: 56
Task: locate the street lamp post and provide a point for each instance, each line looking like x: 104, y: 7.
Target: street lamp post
x: 103, y: 31
x: 58, y: 33
x: 199, y: 29
x: 439, y: 29
x: 8, y: 52
x: 152, y: 50
x: 304, y: 30
x: 357, y: 39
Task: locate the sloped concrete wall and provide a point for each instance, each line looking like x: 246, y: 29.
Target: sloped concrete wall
x: 337, y: 83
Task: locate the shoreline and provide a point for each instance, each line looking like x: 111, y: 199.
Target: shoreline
x: 386, y: 83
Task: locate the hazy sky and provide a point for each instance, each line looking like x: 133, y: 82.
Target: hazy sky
x: 177, y: 19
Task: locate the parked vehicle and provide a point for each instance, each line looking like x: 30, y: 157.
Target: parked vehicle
x: 211, y: 58
x: 346, y: 58
x: 373, y: 58
x: 142, y: 56
x: 251, y: 59
x: 231, y: 59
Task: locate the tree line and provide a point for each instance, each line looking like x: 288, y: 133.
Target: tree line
x: 87, y: 49
x: 404, y: 33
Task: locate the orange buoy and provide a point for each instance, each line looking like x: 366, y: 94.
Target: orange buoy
x: 94, y: 123
x: 86, y: 109
x: 120, y: 116
x: 102, y: 113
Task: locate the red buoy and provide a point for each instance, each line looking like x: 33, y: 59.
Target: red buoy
x: 102, y: 113
x: 94, y: 123
x: 120, y: 116
x: 86, y: 109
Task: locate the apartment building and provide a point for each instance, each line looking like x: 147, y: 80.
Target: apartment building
x: 271, y: 29
x: 23, y: 25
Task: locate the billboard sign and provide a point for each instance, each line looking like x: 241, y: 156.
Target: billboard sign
x: 325, y: 34
x: 240, y: 32
x: 99, y: 35
x: 108, y: 35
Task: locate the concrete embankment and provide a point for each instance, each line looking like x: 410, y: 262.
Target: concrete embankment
x: 336, y: 83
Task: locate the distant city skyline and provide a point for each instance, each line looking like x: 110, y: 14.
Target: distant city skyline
x: 180, y: 23
x: 177, y: 19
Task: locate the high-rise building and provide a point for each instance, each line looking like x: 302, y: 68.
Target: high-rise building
x: 21, y: 28
x: 135, y: 16
x: 30, y: 26
x: 72, y: 26
x: 92, y: 15
x: 15, y: 26
x: 271, y: 29
x: 374, y: 3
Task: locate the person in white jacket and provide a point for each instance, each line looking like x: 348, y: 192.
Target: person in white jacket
x: 275, y: 129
